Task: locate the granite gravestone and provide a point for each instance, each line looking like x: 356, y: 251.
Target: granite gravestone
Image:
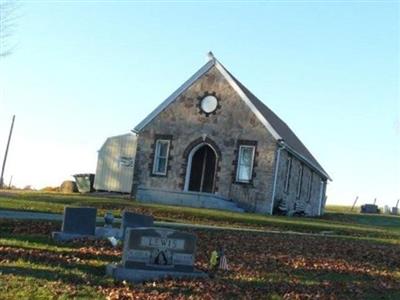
x: 156, y: 253
x: 133, y: 220
x: 77, y: 222
x: 369, y: 209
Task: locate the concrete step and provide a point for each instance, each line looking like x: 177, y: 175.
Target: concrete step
x: 191, y: 199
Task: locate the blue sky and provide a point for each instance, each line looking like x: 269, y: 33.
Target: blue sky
x: 86, y: 70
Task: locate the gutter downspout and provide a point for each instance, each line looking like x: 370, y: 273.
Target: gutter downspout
x: 278, y: 156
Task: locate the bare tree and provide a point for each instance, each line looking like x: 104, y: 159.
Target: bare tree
x: 7, y: 26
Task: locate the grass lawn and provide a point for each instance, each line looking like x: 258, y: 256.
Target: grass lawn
x: 336, y: 220
x: 261, y: 266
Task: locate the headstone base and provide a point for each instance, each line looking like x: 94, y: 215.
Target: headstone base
x: 105, y: 232
x: 60, y: 236
x: 138, y: 275
x: 101, y: 232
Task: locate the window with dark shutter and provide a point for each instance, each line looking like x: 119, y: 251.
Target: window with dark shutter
x: 310, y: 186
x: 299, y: 182
x: 288, y: 171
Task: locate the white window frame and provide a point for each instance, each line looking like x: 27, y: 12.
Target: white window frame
x: 300, y: 181
x: 251, y: 166
x: 288, y: 171
x: 156, y: 160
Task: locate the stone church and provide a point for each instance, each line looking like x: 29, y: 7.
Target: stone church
x: 213, y: 144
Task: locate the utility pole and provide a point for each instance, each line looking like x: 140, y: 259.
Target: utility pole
x: 5, y: 155
x: 354, y: 204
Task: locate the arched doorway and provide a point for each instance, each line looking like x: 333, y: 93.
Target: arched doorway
x: 201, y: 169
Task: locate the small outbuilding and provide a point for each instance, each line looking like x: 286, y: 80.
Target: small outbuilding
x: 115, y: 163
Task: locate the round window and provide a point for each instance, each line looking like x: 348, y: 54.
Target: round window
x: 209, y: 104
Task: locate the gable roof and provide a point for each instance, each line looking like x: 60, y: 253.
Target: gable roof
x: 128, y: 135
x: 283, y: 130
x: 204, y: 69
x: 278, y: 128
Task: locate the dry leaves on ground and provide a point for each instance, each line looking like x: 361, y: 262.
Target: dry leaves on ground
x: 293, y: 267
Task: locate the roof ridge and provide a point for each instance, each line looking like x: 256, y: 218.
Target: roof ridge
x: 279, y: 129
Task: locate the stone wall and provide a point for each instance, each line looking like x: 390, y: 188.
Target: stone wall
x: 309, y: 201
x: 232, y: 122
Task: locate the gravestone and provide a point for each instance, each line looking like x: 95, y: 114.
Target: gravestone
x: 133, y: 220
x: 386, y: 209
x: 156, y: 253
x: 77, y: 222
x: 395, y: 210
x: 369, y: 209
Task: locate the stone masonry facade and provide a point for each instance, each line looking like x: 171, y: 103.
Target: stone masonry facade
x: 233, y: 123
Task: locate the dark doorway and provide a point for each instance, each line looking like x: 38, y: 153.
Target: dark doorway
x: 202, y: 172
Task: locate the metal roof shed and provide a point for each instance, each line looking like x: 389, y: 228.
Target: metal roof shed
x: 114, y: 172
